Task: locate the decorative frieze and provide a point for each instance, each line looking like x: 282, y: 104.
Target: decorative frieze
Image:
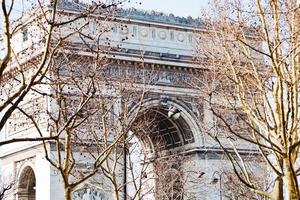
x: 91, y: 193
x: 149, y: 76
x: 18, y: 122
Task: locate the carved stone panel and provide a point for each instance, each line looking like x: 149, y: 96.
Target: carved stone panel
x: 36, y: 108
x: 149, y: 76
x: 88, y: 193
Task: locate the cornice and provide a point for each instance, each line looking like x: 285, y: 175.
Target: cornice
x: 135, y: 14
x: 159, y: 17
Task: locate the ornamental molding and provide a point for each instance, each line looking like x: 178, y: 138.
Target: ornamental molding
x: 180, y: 37
x: 144, y: 32
x: 132, y: 13
x: 153, y: 76
x: 162, y: 35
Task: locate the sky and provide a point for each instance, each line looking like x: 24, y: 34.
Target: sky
x: 183, y: 8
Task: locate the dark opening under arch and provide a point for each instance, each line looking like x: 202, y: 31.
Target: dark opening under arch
x: 158, y: 131
x: 27, y: 184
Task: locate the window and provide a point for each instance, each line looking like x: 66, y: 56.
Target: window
x: 115, y: 28
x: 172, y: 35
x: 190, y: 38
x: 25, y: 35
x: 134, y: 31
x: 153, y: 34
x: 92, y: 28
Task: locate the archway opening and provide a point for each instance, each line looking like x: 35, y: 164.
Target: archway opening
x: 162, y: 140
x: 159, y: 133
x: 27, y: 184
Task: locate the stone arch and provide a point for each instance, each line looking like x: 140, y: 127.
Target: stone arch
x: 26, y: 184
x: 167, y: 133
x: 161, y: 141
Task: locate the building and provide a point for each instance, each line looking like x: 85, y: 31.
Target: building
x: 155, y: 54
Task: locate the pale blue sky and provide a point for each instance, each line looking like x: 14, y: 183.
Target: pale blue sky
x: 177, y: 7
x: 182, y: 8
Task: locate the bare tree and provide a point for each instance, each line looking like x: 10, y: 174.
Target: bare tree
x: 31, y: 42
x: 6, y: 186
x: 59, y: 84
x: 88, y: 115
x: 253, y: 52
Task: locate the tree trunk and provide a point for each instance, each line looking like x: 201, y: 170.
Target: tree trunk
x: 278, y: 189
x: 68, y: 193
x: 292, y: 191
x: 116, y: 194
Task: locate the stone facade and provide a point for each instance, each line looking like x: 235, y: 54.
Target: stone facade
x: 167, y: 46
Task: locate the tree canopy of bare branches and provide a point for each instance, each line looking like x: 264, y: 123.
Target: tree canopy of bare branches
x: 31, y: 42
x: 254, y: 90
x: 55, y: 88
